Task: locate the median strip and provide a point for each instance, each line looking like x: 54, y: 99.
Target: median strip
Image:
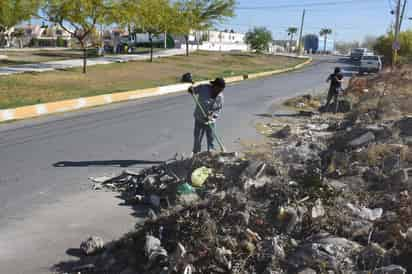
x: 87, y: 102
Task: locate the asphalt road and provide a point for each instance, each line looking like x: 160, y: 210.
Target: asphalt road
x: 45, y: 194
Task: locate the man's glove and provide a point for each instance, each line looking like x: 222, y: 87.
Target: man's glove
x: 211, y: 119
x: 190, y: 90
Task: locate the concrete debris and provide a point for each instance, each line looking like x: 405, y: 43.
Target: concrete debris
x: 333, y: 197
x: 405, y: 126
x: 407, y: 235
x: 254, y: 170
x: 318, y: 210
x: 362, y: 140
x: 155, y: 253
x: 366, y: 213
x: 307, y: 271
x: 330, y: 253
x: 283, y: 133
x: 391, y: 269
x: 92, y: 245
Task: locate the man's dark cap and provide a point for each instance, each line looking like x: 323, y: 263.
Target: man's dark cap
x: 219, y: 82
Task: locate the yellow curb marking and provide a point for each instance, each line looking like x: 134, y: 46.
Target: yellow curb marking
x: 79, y: 103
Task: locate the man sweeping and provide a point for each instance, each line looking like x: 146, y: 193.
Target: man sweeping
x: 208, y: 109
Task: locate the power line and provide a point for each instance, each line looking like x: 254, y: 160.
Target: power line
x: 311, y: 4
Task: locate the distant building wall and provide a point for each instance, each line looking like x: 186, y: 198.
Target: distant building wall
x: 330, y: 44
x: 217, y: 46
x: 217, y: 41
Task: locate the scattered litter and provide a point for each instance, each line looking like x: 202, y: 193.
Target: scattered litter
x: 327, y: 199
x: 366, y: 213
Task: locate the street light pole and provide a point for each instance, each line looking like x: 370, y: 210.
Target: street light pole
x: 301, y: 32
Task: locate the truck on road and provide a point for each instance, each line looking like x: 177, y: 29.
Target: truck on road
x: 356, y: 54
x: 370, y: 63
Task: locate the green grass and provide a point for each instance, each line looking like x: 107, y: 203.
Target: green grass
x: 34, y: 88
x: 20, y: 57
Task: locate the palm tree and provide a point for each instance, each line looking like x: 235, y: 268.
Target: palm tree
x: 291, y: 32
x: 325, y: 32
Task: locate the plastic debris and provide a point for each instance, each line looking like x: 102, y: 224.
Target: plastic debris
x: 200, y: 175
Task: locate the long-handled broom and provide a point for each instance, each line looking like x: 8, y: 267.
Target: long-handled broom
x: 187, y: 78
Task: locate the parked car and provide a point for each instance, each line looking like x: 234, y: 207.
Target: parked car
x: 356, y: 54
x: 370, y: 63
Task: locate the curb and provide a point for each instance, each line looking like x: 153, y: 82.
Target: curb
x: 100, y: 100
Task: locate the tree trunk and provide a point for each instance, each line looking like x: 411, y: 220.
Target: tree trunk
x: 84, y: 57
x: 2, y: 39
x: 187, y: 44
x: 165, y: 40
x: 197, y: 40
x: 151, y: 47
x: 324, y: 46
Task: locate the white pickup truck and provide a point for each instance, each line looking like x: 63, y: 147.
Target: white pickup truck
x: 370, y: 63
x: 356, y: 54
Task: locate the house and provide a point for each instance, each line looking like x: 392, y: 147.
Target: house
x: 40, y: 36
x: 284, y: 45
x: 24, y: 34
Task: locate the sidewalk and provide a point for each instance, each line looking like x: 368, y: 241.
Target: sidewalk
x: 65, y: 64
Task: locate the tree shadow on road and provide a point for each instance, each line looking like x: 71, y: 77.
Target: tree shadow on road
x: 120, y: 163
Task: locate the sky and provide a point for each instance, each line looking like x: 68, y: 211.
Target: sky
x: 350, y: 20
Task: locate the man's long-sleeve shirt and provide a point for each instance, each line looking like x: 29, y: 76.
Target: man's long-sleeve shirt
x: 212, y: 106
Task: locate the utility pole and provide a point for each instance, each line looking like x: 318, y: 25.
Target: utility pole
x: 396, y: 46
x: 402, y: 14
x: 301, y: 32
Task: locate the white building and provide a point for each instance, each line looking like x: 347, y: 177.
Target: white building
x: 39, y: 36
x: 217, y: 41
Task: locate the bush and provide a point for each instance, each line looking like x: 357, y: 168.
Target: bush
x: 60, y: 42
x: 259, y: 39
x: 38, y: 42
x: 384, y: 43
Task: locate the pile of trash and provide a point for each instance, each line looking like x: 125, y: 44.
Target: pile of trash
x: 334, y: 197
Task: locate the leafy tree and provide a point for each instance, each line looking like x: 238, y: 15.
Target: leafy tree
x: 154, y: 17
x: 79, y: 18
x: 12, y: 12
x: 325, y: 32
x: 384, y: 43
x: 200, y: 15
x: 291, y: 32
x: 259, y: 39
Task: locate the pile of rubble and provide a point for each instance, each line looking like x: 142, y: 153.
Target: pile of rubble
x: 335, y: 198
